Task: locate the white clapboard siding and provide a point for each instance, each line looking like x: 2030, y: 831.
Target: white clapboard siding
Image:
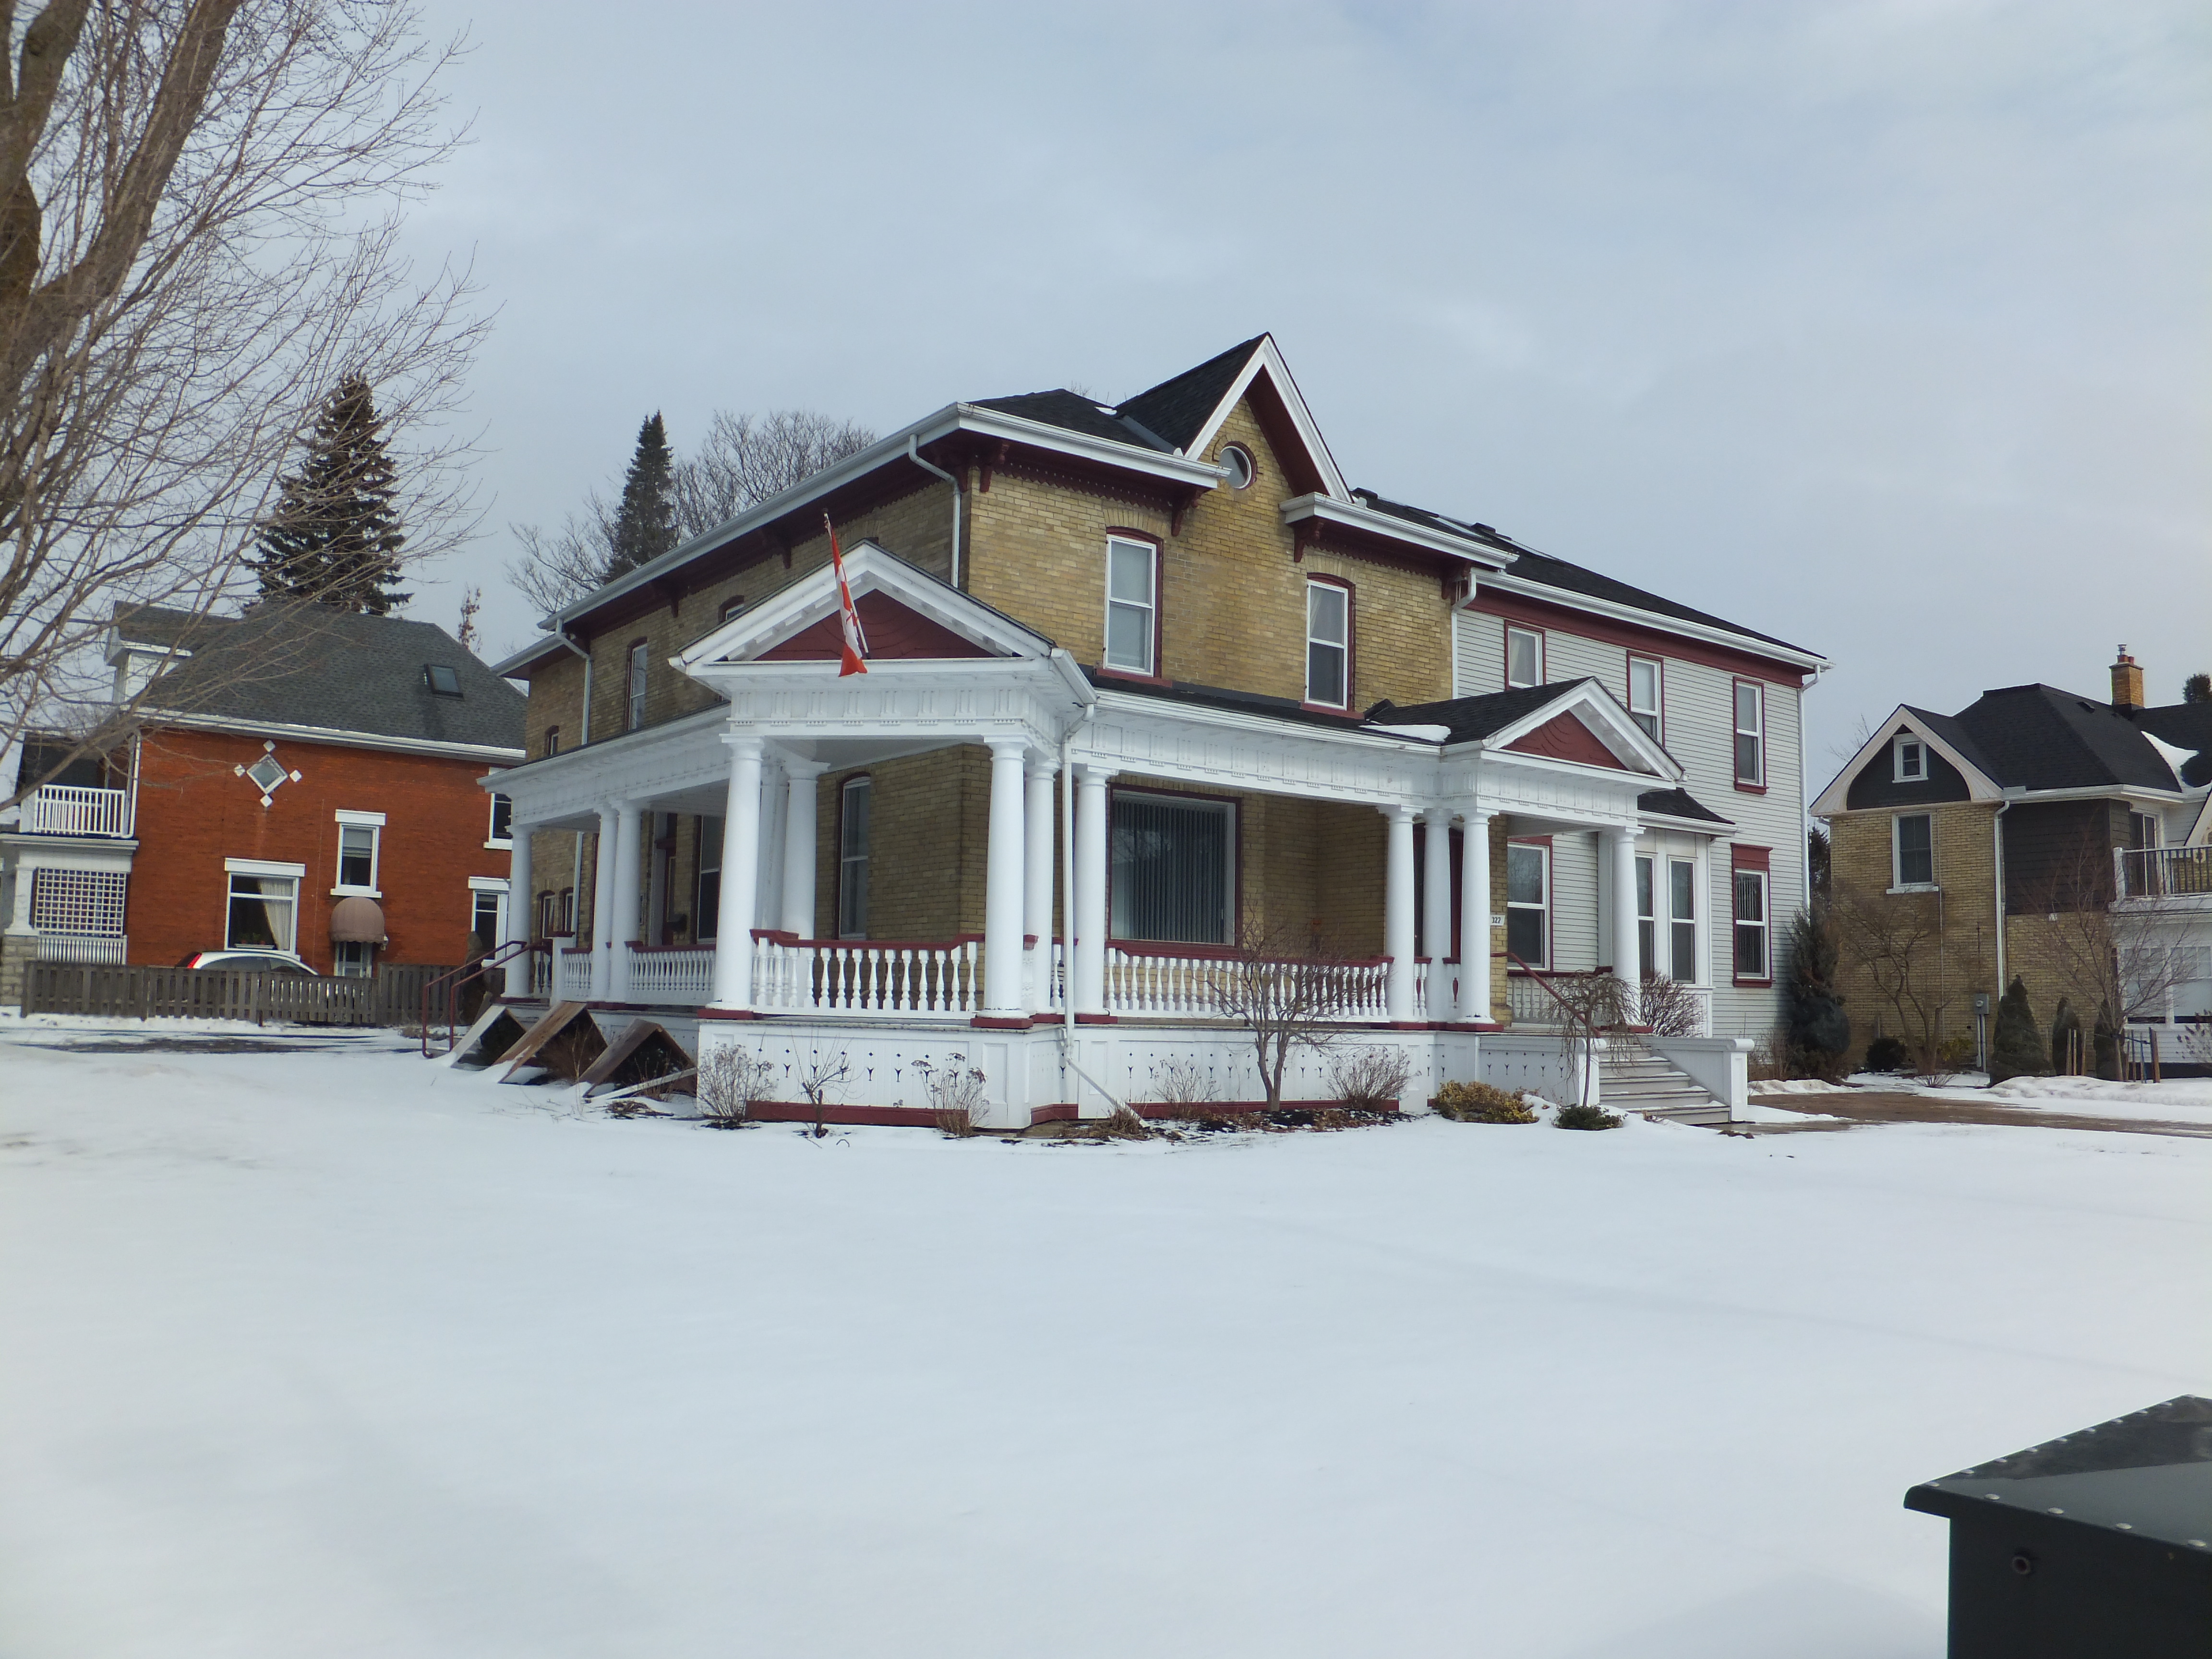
x: 1574, y: 903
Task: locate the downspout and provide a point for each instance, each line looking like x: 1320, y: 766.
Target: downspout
x: 1997, y: 849
x: 1067, y: 1048
x: 913, y: 454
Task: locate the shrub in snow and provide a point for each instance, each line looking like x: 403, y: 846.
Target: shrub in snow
x: 1819, y: 1032
x: 820, y: 1078
x: 1180, y: 1082
x: 955, y: 1090
x: 2066, y: 1051
x: 1369, y: 1079
x: 1477, y: 1103
x: 1887, y: 1054
x: 730, y: 1080
x: 2017, y: 1048
x: 1586, y: 1117
x: 1667, y: 1006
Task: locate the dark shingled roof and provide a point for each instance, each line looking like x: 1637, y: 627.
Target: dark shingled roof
x: 293, y: 664
x: 1948, y: 729
x: 1215, y: 697
x: 1071, y: 411
x: 1679, y: 804
x: 1469, y: 719
x: 1572, y: 578
x: 1176, y: 408
x: 2038, y: 737
x: 2185, y: 725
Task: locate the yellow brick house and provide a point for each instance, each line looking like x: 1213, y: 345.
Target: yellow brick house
x: 1147, y: 683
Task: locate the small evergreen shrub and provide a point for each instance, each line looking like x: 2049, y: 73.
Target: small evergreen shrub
x: 2017, y: 1048
x: 2066, y: 1053
x: 1586, y: 1117
x: 1477, y: 1103
x: 1887, y: 1054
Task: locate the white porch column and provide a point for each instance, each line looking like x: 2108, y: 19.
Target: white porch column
x: 800, y: 815
x: 1436, y: 910
x: 1620, y: 849
x: 1474, y: 919
x: 1398, y: 914
x: 1038, y: 862
x: 733, y: 939
x: 629, y: 852
x: 1089, y: 896
x: 603, y: 905
x: 1003, y: 881
x: 522, y: 909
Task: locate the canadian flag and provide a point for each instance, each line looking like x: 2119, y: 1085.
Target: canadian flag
x: 855, y: 658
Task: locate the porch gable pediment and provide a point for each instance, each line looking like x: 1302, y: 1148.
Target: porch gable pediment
x: 1565, y: 737
x: 908, y: 615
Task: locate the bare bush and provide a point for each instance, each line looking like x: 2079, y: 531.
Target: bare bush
x: 1370, y: 1078
x: 1287, y: 991
x: 955, y: 1090
x: 823, y: 1076
x: 730, y: 1080
x: 1668, y: 1006
x: 1177, y: 1081
x: 1123, y: 1123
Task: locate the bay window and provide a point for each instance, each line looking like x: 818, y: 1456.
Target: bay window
x: 1173, y: 875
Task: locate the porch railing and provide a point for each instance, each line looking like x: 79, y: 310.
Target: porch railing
x: 1540, y: 997
x: 2163, y: 871
x: 913, y: 977
x: 573, y: 976
x: 1174, y: 981
x: 679, y: 976
x: 83, y: 947
x: 62, y: 809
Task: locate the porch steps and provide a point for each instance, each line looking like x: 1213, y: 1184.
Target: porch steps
x: 1634, y: 1079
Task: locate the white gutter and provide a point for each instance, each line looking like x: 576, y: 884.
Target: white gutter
x: 1996, y: 850
x: 1326, y: 509
x: 329, y: 734
x: 1570, y: 600
x: 913, y: 454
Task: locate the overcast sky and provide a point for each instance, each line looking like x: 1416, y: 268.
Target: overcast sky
x: 1882, y: 328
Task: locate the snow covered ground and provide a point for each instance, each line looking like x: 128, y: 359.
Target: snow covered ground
x: 2180, y: 1100
x: 327, y: 1353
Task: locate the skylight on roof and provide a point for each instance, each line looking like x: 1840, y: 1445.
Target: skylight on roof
x: 442, y: 680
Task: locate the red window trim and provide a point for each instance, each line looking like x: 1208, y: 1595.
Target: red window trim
x: 1681, y: 647
x: 1124, y: 533
x: 1759, y: 685
x: 1351, y: 647
x: 1632, y: 656
x: 1761, y: 859
x: 1236, y: 805
x: 1507, y: 627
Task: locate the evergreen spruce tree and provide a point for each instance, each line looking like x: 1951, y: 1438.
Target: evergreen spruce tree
x: 2016, y: 1049
x: 1820, y: 1031
x: 2198, y: 687
x: 334, y: 537
x: 644, y: 520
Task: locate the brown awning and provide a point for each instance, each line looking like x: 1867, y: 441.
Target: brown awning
x: 357, y: 922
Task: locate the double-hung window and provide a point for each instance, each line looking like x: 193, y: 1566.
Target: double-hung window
x: 1528, y: 903
x: 634, y: 714
x: 1131, y: 605
x: 1683, y: 920
x: 706, y: 902
x: 1647, y: 920
x: 1328, y: 644
x: 361, y: 836
x: 1912, y: 846
x: 1750, y: 734
x: 1643, y: 695
x: 852, y: 857
x: 264, y: 900
x: 1908, y: 761
x: 502, y: 823
x: 1174, y: 872
x: 1753, y: 958
x: 1524, y: 657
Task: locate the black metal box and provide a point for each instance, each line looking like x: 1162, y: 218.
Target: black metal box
x: 2095, y: 1546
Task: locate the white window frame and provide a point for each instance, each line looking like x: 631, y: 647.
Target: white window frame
x: 636, y: 686
x: 1679, y: 948
x: 1655, y: 713
x: 849, y: 925
x: 1342, y: 647
x: 1513, y: 904
x: 492, y: 837
x: 479, y: 885
x: 1897, y: 881
x: 1647, y: 914
x: 266, y: 869
x: 1537, y: 636
x: 1900, y: 771
x: 1756, y: 731
x: 1149, y: 606
x: 1764, y: 926
x: 373, y: 823
x: 352, y: 959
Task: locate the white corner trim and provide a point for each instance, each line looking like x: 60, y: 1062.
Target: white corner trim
x: 263, y: 867
x: 346, y: 815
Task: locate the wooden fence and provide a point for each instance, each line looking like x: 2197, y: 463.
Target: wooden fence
x: 394, y: 997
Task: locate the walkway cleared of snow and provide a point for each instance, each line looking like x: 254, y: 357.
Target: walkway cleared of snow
x: 332, y: 1353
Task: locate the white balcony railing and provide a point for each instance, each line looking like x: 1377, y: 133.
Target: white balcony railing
x: 56, y: 809
x: 2163, y: 871
x: 83, y: 947
x: 679, y: 976
x: 915, y: 978
x: 1162, y: 985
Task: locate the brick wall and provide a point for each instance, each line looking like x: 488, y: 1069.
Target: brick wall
x: 194, y: 812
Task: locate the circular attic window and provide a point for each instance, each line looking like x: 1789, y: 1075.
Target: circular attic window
x: 1237, y: 461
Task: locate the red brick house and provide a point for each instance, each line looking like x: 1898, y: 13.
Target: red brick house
x: 306, y: 781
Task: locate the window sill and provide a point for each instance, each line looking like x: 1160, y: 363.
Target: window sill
x: 357, y: 892
x: 1107, y: 671
x: 1750, y: 789
x: 1754, y: 984
x: 499, y: 847
x: 1335, y: 710
x: 1914, y: 887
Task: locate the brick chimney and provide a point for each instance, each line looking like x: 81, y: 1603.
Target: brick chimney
x: 2127, y: 682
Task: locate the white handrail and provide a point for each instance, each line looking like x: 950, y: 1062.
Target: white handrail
x: 60, y: 809
x: 848, y: 978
